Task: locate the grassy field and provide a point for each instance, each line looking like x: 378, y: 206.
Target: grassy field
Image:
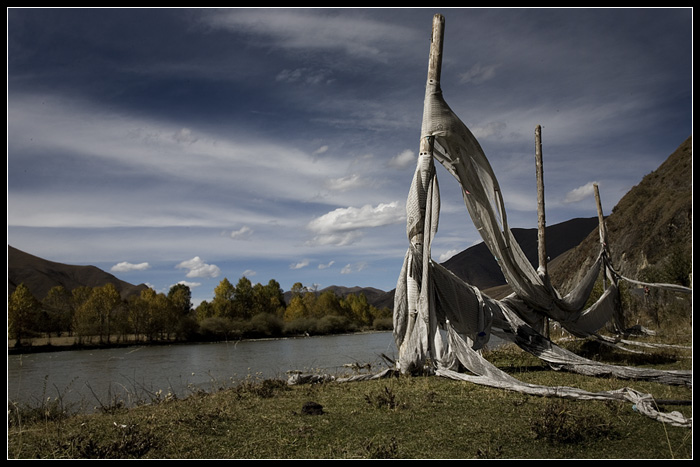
x: 409, y: 417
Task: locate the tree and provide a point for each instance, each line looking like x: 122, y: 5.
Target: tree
x: 181, y: 298
x: 22, y: 309
x: 222, y: 303
x: 59, y: 310
x: 243, y: 299
x: 138, y: 312
x: 326, y: 304
x: 359, y: 308
x: 96, y: 315
x: 268, y: 299
x: 203, y: 311
x: 296, y: 309
x: 298, y: 289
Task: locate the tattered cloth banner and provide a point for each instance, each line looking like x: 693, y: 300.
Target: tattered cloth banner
x: 430, y: 300
x: 440, y: 321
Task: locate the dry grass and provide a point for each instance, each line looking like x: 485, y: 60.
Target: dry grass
x: 405, y: 417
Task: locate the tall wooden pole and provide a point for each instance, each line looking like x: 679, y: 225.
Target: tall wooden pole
x: 434, y: 69
x: 541, y: 223
x: 601, y: 219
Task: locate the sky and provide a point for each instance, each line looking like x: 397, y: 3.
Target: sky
x: 186, y: 145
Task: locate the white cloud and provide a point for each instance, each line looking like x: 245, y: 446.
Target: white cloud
x: 337, y: 239
x: 198, y: 268
x: 489, y: 129
x: 127, y: 267
x: 243, y: 233
x: 313, y: 30
x: 320, y: 150
x: 580, y: 193
x: 352, y: 218
x: 189, y: 284
x: 343, y: 226
x: 350, y: 268
x: 403, y: 159
x: 249, y: 273
x: 447, y: 255
x: 299, y: 265
x: 326, y: 266
x: 345, y: 183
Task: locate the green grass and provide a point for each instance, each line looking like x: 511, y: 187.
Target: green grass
x: 407, y: 417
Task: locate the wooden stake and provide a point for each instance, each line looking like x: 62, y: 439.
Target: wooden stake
x: 601, y: 219
x: 541, y: 223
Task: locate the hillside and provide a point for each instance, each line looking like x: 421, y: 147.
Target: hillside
x: 40, y: 275
x: 649, y: 231
x: 476, y: 265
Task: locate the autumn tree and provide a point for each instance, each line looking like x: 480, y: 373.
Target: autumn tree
x: 139, y: 314
x: 57, y: 305
x: 359, y: 308
x: 203, y: 311
x: 296, y: 309
x: 222, y: 303
x: 22, y: 309
x: 96, y: 315
x: 327, y: 303
x: 243, y: 299
x: 181, y: 298
x: 268, y: 299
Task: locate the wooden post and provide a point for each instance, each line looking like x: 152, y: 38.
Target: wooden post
x: 434, y: 69
x: 601, y: 227
x: 601, y: 219
x: 541, y: 223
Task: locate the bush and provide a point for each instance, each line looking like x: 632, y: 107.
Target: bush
x: 334, y: 324
x: 264, y: 325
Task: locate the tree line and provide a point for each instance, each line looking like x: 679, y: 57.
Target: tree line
x: 99, y: 315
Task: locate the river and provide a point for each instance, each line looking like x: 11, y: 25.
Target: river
x: 86, y: 379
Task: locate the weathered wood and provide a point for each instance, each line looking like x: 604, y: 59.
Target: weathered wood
x: 434, y: 68
x: 601, y: 218
x: 541, y: 222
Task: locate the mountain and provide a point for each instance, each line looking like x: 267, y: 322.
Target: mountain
x: 40, y: 275
x: 476, y: 264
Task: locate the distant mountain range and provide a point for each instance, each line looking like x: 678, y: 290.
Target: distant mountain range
x: 652, y: 219
x: 474, y: 265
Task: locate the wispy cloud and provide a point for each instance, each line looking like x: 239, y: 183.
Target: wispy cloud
x: 299, y: 265
x: 243, y: 233
x: 580, y: 193
x: 406, y: 158
x: 127, y: 267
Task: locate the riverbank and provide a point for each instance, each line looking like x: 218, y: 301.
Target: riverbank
x: 404, y: 417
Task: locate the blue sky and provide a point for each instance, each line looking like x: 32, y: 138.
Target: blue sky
x: 193, y: 145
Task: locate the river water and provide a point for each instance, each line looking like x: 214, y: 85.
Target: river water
x: 86, y: 379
